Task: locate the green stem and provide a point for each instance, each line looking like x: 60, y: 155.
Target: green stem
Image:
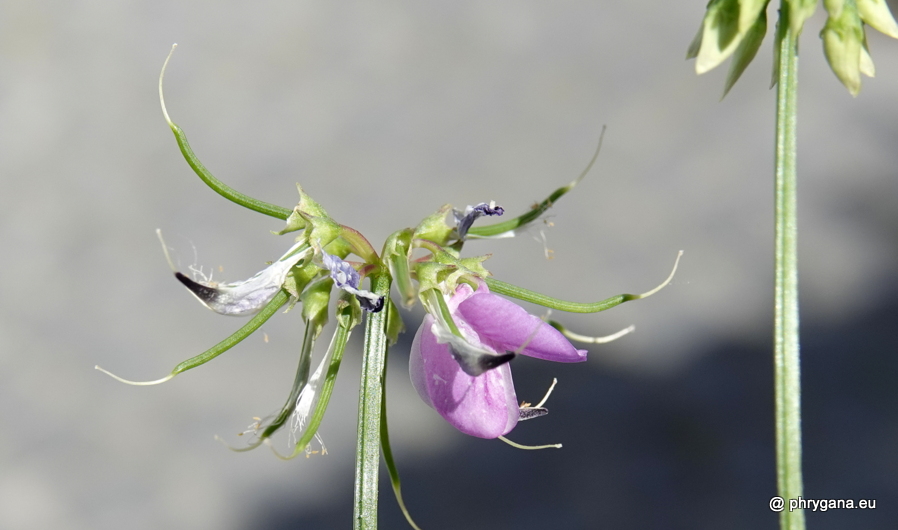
x: 370, y: 399
x: 391, y: 464
x: 787, y: 380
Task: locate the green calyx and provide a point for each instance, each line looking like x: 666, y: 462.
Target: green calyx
x: 444, y: 269
x: 396, y: 254
x: 434, y: 227
x: 299, y: 217
x: 315, y: 300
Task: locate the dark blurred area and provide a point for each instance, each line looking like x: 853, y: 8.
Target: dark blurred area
x: 688, y: 451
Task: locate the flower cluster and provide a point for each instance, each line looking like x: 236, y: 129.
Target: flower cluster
x: 460, y: 358
x: 737, y: 27
x: 459, y: 362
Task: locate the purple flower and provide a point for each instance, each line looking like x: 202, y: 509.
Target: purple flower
x: 464, y: 220
x: 484, y: 405
x: 347, y: 278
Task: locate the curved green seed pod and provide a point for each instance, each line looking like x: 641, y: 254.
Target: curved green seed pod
x: 520, y: 293
x: 255, y: 323
x: 506, y: 227
x: 218, y: 186
x: 318, y: 390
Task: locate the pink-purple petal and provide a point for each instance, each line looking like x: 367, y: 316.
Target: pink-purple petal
x: 484, y: 406
x: 507, y: 326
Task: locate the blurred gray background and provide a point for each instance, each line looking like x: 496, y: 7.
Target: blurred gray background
x: 384, y: 111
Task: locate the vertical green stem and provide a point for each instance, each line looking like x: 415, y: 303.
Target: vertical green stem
x: 787, y: 377
x: 370, y: 399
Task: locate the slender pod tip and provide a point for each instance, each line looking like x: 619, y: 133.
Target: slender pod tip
x: 665, y: 282
x: 588, y: 339
x: 529, y: 447
x: 165, y: 250
x: 134, y: 383
x: 592, y: 161
x: 161, y: 76
x: 250, y: 447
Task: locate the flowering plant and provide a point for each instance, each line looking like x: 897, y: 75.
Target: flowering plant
x: 736, y: 28
x: 460, y: 356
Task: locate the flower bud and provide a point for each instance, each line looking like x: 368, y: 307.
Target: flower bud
x: 834, y: 7
x: 876, y: 13
x: 843, y: 37
x: 725, y: 25
x: 866, y: 65
x: 799, y: 12
x: 746, y: 51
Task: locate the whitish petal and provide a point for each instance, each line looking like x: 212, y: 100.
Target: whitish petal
x: 249, y: 296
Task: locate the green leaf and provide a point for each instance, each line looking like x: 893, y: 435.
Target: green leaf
x: 306, y: 208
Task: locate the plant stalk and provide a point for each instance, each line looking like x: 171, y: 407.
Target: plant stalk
x: 370, y: 406
x: 787, y: 375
